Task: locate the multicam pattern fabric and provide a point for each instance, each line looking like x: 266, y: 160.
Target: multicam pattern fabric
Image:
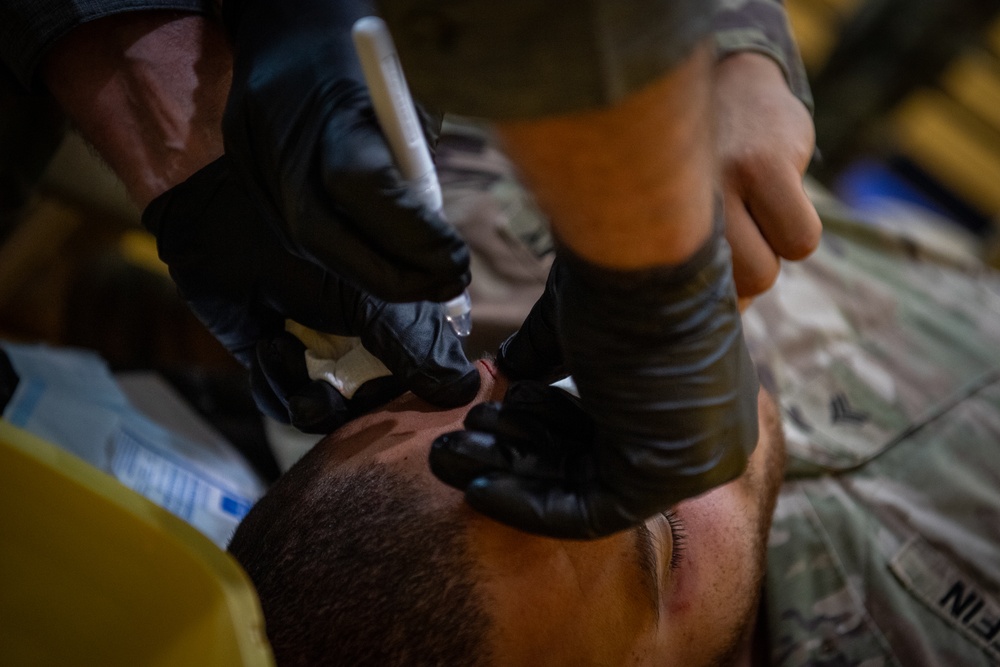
x: 885, y: 547
x: 612, y: 48
x: 761, y: 26
x: 507, y: 236
x: 524, y: 58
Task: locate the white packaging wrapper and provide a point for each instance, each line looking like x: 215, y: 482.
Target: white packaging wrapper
x: 70, y: 398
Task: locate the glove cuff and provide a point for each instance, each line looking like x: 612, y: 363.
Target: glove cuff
x: 662, y: 366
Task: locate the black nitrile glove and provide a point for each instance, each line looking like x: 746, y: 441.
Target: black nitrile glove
x: 663, y: 372
x: 300, y: 129
x: 534, y: 352
x: 242, y: 284
x: 539, y: 431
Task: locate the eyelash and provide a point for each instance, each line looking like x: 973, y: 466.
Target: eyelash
x: 680, y: 538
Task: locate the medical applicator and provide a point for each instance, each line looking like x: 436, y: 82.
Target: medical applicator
x: 397, y: 117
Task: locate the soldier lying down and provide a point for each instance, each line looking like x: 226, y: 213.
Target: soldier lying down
x: 880, y: 352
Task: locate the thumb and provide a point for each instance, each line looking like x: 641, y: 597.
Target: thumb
x: 416, y: 344
x: 534, y: 352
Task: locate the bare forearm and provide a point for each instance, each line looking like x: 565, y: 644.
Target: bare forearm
x: 630, y: 186
x: 147, y: 90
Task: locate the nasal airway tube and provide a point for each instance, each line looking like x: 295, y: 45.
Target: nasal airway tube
x: 398, y: 119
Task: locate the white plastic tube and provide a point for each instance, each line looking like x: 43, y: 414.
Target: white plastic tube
x: 398, y: 119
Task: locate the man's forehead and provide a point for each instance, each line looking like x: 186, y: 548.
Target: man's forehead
x: 404, y: 426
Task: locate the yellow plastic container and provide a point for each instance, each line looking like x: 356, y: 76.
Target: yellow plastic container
x: 92, y: 573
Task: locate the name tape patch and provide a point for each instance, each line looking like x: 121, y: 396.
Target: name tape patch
x: 950, y: 593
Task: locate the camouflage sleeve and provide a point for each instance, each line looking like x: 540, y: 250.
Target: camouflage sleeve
x: 762, y: 26
x: 523, y: 58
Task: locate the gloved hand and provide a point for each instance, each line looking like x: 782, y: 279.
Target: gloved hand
x: 663, y: 371
x: 300, y: 129
x: 242, y: 284
x: 539, y: 431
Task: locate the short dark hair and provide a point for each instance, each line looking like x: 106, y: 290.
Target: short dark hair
x: 356, y: 568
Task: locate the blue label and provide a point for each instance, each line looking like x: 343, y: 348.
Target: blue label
x: 235, y: 506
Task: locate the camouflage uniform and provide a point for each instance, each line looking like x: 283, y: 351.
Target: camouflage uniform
x: 885, y: 548
x: 523, y: 58
x: 761, y: 26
